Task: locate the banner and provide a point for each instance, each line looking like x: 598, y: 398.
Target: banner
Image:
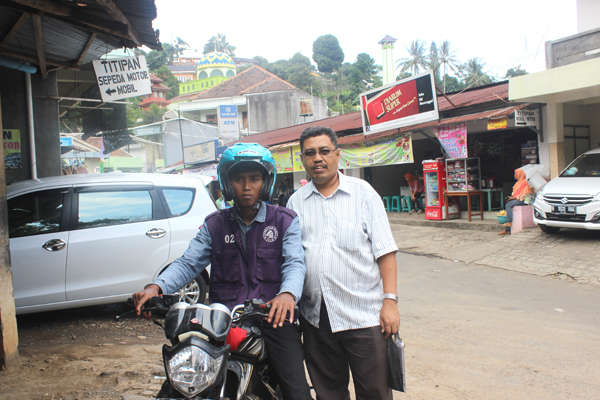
x: 453, y: 139
x: 406, y: 102
x: 389, y: 150
x: 297, y: 159
x: 283, y: 159
x: 12, y: 148
x: 497, y: 123
x: 201, y: 152
x: 229, y: 125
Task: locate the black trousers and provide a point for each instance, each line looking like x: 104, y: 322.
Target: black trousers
x: 418, y: 201
x: 331, y: 356
x: 284, y: 351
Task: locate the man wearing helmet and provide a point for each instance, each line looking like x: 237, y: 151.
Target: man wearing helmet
x: 255, y: 252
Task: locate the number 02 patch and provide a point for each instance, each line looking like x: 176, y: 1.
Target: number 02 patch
x: 229, y: 238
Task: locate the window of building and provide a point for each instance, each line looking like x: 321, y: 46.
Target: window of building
x: 229, y: 73
x: 216, y: 72
x: 202, y: 75
x: 211, y: 118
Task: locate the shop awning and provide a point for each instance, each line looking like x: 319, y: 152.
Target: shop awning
x: 502, y: 112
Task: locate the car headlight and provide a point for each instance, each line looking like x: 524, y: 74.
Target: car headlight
x: 540, y: 195
x: 192, y: 370
x: 597, y: 198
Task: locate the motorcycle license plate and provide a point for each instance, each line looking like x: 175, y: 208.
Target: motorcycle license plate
x: 564, y: 209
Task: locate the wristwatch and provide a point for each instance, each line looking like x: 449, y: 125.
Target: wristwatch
x: 390, y: 296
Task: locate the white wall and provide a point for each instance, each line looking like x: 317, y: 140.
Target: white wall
x: 588, y: 15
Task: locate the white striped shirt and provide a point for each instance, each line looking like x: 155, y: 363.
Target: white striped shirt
x: 343, y: 235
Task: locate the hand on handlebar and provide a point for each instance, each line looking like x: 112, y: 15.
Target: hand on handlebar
x: 280, y: 306
x: 140, y: 298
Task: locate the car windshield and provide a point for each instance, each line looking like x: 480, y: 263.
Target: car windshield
x: 585, y: 165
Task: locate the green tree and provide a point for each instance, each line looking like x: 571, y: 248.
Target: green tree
x: 472, y: 73
x: 516, y: 71
x: 433, y: 62
x: 367, y: 67
x: 264, y: 63
x: 219, y: 43
x: 168, y: 79
x: 416, y: 57
x: 180, y: 45
x: 453, y: 84
x: 448, y: 60
x: 327, y: 53
x: 153, y: 114
x: 156, y: 59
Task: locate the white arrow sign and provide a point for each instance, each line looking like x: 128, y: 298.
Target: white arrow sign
x: 122, y: 78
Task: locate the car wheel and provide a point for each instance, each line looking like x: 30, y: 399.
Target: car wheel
x: 549, y: 229
x: 194, y: 292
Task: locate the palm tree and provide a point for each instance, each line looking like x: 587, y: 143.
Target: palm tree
x: 417, y: 58
x: 472, y: 73
x: 447, y: 59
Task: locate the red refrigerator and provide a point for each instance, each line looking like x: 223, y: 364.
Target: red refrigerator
x: 434, y: 176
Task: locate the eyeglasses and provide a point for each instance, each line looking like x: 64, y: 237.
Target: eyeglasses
x: 311, y: 153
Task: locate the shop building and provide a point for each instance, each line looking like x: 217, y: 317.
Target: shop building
x: 493, y: 133
x: 569, y: 91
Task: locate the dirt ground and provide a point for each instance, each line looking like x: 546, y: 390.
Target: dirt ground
x: 85, y: 354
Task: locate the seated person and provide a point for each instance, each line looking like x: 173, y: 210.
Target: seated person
x: 520, y: 190
x: 416, y: 190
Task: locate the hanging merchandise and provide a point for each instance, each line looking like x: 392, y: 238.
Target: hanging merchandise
x: 453, y: 138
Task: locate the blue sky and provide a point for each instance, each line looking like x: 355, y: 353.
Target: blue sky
x: 503, y: 33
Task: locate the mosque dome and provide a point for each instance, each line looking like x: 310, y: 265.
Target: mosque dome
x: 216, y: 59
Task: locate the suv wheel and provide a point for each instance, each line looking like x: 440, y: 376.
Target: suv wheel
x: 194, y: 292
x: 549, y: 229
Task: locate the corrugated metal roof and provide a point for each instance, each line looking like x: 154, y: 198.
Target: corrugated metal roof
x: 340, y: 123
x: 432, y: 124
x: 67, y: 27
x: 349, y: 123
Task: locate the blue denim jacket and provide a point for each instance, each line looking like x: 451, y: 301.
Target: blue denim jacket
x: 198, y: 255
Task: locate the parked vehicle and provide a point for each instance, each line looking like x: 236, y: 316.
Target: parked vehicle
x: 572, y: 199
x: 199, y: 364
x: 91, y: 239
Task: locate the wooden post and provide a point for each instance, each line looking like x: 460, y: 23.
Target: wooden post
x: 9, y: 339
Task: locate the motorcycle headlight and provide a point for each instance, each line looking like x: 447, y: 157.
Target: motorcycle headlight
x: 192, y: 370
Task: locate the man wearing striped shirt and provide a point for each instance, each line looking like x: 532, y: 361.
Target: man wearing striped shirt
x: 349, y: 304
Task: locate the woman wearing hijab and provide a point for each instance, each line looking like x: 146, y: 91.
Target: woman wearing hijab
x: 416, y: 190
x: 520, y: 190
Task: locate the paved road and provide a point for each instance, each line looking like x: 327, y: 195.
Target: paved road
x: 474, y: 332
x: 570, y: 255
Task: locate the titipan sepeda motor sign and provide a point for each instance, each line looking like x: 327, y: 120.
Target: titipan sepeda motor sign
x: 402, y: 103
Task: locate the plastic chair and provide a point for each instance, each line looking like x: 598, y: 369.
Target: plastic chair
x: 422, y: 200
x: 386, y: 203
x: 396, y: 204
x: 406, y: 204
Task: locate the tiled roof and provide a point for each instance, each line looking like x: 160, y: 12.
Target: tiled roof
x: 387, y: 38
x: 183, y: 67
x: 353, y: 121
x: 184, y: 97
x: 250, y: 81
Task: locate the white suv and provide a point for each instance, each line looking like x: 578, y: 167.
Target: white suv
x: 572, y: 199
x: 84, y: 240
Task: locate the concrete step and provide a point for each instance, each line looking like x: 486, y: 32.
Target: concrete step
x: 488, y: 224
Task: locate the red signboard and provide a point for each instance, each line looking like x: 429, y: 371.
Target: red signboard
x: 406, y: 102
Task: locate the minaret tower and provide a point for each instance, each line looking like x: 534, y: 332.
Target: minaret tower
x: 387, y: 44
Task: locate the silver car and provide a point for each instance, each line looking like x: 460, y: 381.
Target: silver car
x: 90, y: 239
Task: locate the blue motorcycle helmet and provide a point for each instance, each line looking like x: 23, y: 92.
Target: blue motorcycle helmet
x: 253, y: 154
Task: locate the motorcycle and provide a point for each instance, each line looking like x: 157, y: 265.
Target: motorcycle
x: 201, y: 363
